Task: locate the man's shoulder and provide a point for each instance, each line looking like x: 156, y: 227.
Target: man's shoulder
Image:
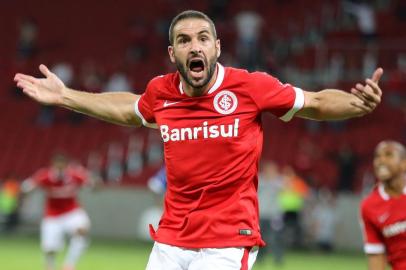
x: 42, y: 177
x: 163, y: 85
x: 42, y: 173
x: 166, y: 80
x: 372, y: 200
x: 76, y: 170
x: 237, y: 73
x: 243, y: 75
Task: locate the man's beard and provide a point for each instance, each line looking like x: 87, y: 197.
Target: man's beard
x: 199, y: 85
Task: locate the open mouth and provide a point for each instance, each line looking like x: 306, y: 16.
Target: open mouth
x: 196, y: 65
x: 382, y: 171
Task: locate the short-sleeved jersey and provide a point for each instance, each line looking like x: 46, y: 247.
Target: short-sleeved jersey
x: 384, y: 226
x: 60, y: 189
x: 212, y: 144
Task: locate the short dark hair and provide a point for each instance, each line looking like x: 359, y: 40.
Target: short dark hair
x: 187, y: 14
x: 399, y: 146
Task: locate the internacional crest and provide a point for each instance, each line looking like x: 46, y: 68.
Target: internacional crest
x: 225, y: 102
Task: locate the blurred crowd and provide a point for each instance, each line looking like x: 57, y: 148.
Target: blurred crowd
x: 293, y: 214
x: 310, y: 45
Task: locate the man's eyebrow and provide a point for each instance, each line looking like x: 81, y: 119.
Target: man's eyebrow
x: 205, y: 31
x: 181, y: 35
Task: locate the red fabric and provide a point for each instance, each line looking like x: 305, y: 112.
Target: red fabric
x: 212, y: 157
x: 385, y: 223
x: 61, y: 191
x: 244, y: 260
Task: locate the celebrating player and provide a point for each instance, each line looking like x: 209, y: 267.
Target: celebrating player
x: 209, y: 117
x: 383, y: 211
x: 63, y: 215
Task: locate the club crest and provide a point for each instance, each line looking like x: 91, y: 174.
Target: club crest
x: 225, y: 102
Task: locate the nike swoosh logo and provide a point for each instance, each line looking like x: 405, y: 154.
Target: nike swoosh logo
x: 166, y: 103
x: 383, y: 217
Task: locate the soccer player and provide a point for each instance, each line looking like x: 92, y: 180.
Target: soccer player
x: 209, y: 117
x: 63, y: 215
x: 383, y: 211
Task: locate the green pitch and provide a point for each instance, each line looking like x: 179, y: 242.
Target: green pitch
x: 22, y: 253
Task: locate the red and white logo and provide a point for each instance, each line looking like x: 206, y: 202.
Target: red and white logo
x: 225, y: 102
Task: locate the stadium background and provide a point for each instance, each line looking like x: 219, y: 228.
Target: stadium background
x: 311, y: 44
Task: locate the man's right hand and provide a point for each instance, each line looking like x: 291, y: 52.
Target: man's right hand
x: 48, y: 90
x: 113, y: 107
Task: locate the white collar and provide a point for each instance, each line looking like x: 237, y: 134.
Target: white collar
x: 385, y: 196
x: 216, y: 85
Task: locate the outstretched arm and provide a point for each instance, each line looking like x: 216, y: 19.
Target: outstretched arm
x: 28, y: 186
x: 331, y: 104
x: 115, y: 107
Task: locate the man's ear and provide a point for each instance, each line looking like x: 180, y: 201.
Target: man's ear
x: 218, y: 47
x: 171, y: 53
x: 403, y: 165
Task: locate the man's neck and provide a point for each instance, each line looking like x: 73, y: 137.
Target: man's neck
x: 395, y: 187
x: 195, y: 92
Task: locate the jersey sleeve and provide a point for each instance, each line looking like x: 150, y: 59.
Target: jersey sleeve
x: 80, y: 174
x: 40, y: 178
x: 282, y: 100
x: 144, y: 106
x: 373, y: 239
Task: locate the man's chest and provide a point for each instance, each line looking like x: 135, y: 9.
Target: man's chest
x: 224, y: 113
x: 61, y: 187
x: 390, y: 218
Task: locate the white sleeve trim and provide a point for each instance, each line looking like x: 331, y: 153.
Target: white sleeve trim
x: 144, y: 122
x: 299, y: 102
x: 374, y: 248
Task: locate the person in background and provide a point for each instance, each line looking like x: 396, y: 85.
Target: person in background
x: 383, y: 212
x: 324, y: 220
x: 27, y: 46
x: 61, y: 182
x: 157, y: 183
x: 271, y: 221
x: 292, y: 201
x: 152, y: 214
x: 9, y: 203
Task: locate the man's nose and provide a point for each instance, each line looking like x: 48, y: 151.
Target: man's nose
x: 380, y: 160
x: 195, y: 46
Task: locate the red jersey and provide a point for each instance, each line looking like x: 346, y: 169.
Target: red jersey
x: 212, y: 144
x: 384, y: 226
x: 60, y: 189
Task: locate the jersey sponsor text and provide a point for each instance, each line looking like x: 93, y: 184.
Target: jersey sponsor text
x: 394, y: 229
x: 205, y: 131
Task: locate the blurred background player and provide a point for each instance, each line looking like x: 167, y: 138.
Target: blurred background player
x: 9, y: 204
x: 152, y: 214
x: 63, y: 214
x: 270, y: 187
x: 157, y: 183
x: 383, y: 211
x: 292, y: 201
x: 324, y: 219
